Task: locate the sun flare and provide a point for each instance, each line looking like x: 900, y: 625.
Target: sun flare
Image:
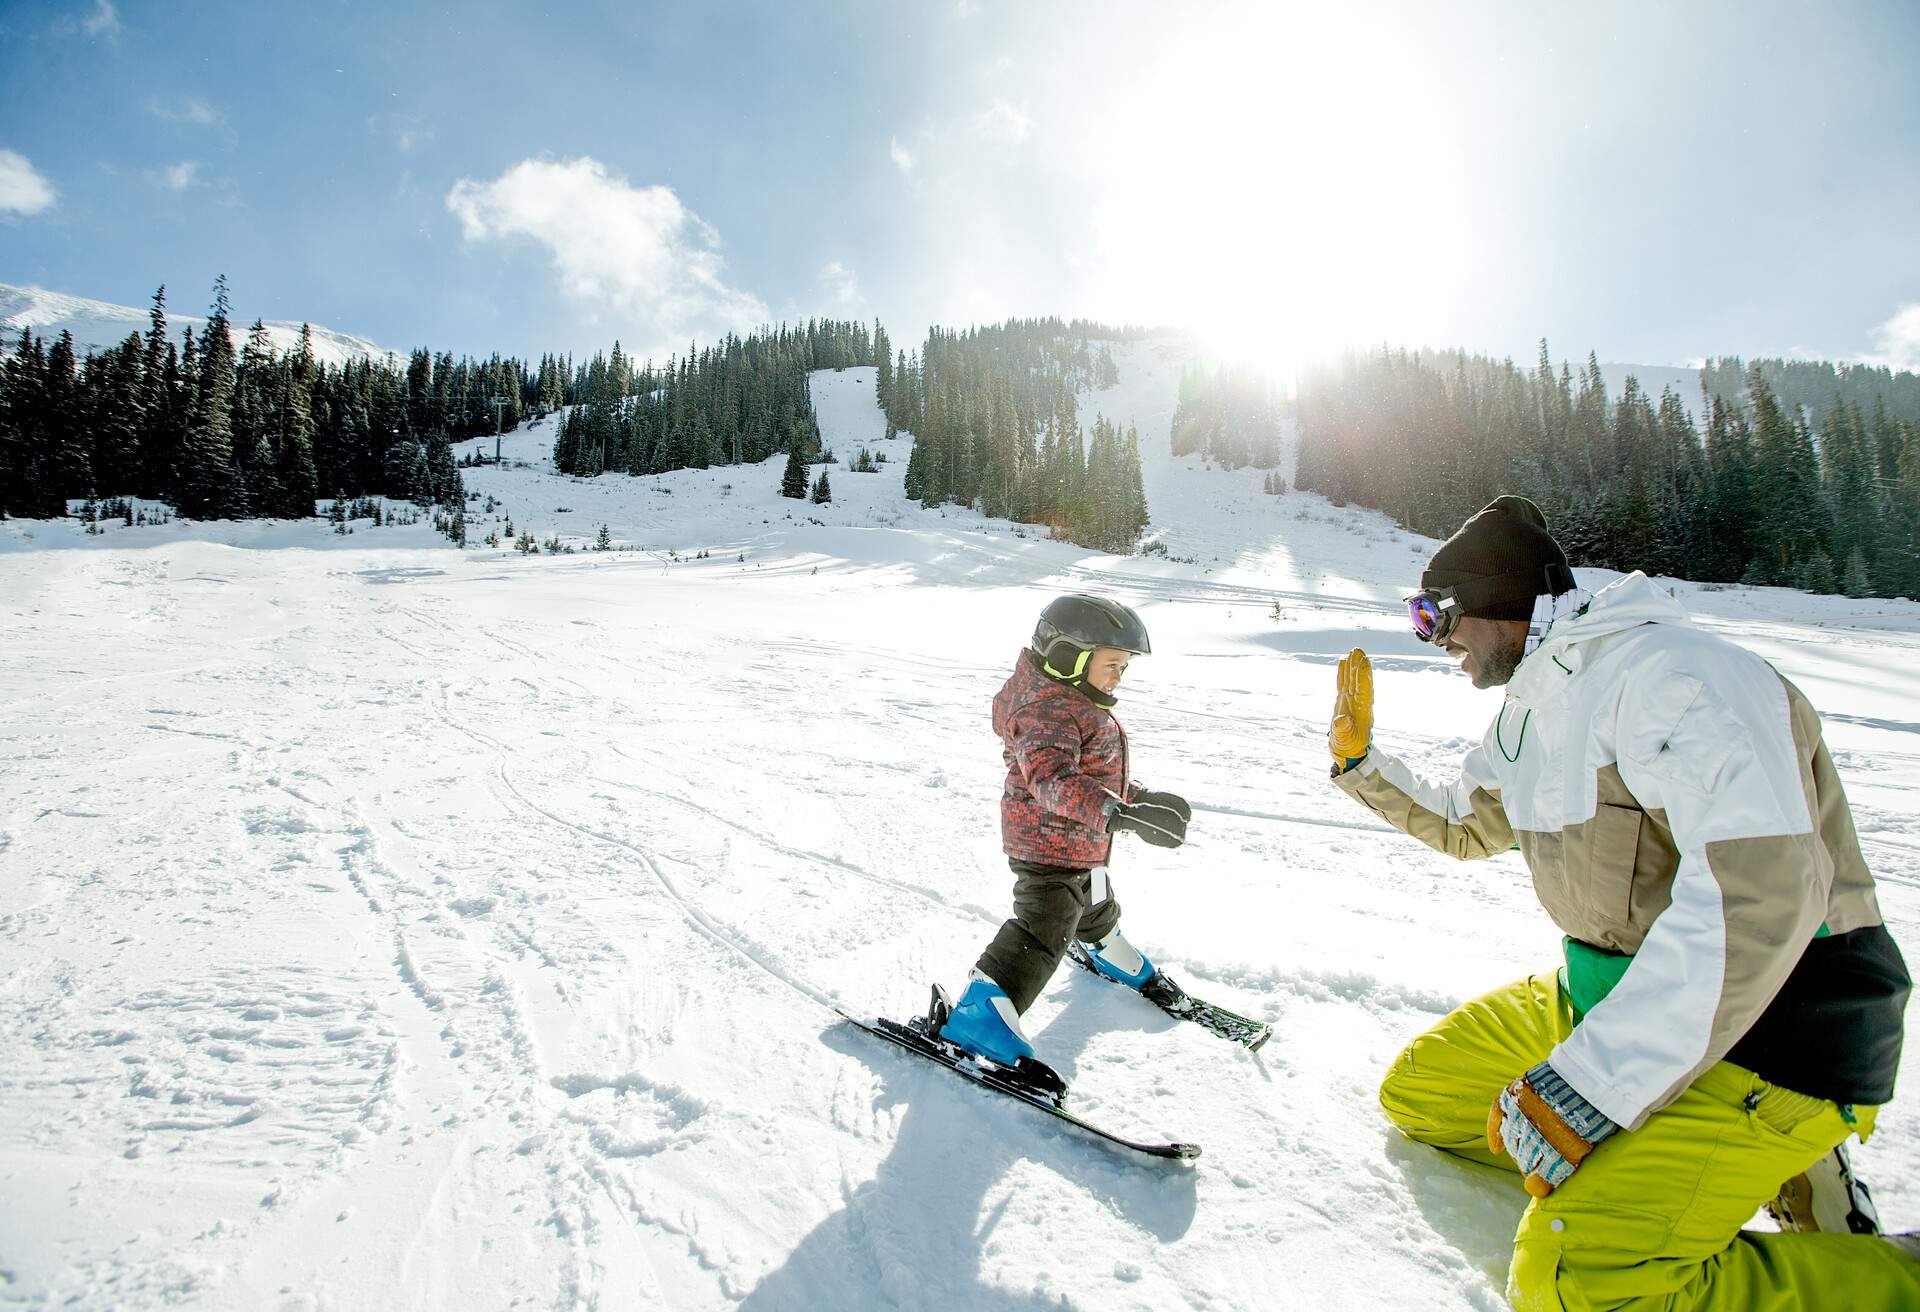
x: 1283, y: 191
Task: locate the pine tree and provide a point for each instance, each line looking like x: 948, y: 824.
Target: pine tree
x: 1131, y: 517
x: 793, y: 482
x: 1731, y: 532
x: 444, y: 484
x: 822, y: 491
x: 252, y: 418
x: 1856, y: 582
x: 294, y: 478
x: 160, y: 403
x: 113, y: 403
x: 914, y: 483
x: 1897, y: 572
x: 1788, y: 506
x: 1848, y: 466
x: 69, y: 464
x: 207, y: 486
x: 35, y: 493
x: 420, y: 478
x: 13, y: 466
x: 405, y: 474
x: 1817, y: 574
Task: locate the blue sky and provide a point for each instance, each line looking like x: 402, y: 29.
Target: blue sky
x: 1655, y: 182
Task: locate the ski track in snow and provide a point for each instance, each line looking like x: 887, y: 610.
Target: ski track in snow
x: 386, y: 926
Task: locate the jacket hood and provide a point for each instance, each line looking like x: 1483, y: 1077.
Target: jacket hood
x: 1626, y: 603
x: 1029, y: 684
x: 1025, y: 686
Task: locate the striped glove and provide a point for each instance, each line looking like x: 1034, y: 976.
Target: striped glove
x: 1160, y: 818
x: 1547, y: 1128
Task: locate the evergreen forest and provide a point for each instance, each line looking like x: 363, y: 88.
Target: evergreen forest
x: 1783, y: 487
x: 732, y: 404
x: 1796, y: 473
x: 1230, y: 415
x: 997, y: 427
x: 254, y: 433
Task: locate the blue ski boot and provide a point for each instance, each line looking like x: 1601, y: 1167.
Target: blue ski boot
x: 1119, y: 960
x: 986, y: 1025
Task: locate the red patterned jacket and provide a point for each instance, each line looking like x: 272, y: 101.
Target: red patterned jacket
x: 1065, y: 758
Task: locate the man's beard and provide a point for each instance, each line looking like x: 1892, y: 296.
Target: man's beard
x: 1500, y: 663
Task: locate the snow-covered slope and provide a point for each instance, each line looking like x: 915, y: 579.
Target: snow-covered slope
x: 98, y: 325
x: 386, y: 925
x: 1655, y: 379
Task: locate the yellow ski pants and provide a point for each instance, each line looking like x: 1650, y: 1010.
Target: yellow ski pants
x: 1653, y: 1218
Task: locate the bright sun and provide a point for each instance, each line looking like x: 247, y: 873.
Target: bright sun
x: 1284, y: 189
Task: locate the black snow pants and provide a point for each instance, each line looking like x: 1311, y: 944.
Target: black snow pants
x: 1052, y: 906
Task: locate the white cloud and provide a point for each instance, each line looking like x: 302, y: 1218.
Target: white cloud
x: 192, y: 110
x: 22, y: 188
x: 633, y: 255
x: 178, y: 177
x: 1001, y: 121
x: 103, y: 21
x: 902, y: 156
x: 1897, y: 341
x: 840, y: 284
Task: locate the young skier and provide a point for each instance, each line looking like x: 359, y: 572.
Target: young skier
x: 1067, y: 794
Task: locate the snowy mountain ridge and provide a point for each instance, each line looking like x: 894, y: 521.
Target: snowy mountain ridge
x: 101, y: 325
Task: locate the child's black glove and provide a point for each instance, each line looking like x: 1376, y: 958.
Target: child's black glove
x: 1160, y: 818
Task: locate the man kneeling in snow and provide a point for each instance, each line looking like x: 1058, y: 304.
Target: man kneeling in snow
x: 1729, y: 1011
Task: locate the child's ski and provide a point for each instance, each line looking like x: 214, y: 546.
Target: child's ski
x: 1005, y: 1080
x: 1163, y: 993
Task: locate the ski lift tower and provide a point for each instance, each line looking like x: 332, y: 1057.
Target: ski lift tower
x: 499, y: 404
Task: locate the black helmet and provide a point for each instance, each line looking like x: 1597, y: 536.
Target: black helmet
x: 1078, y: 623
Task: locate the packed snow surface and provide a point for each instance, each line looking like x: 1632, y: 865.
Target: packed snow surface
x: 385, y: 925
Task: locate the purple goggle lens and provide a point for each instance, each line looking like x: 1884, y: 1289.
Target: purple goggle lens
x: 1432, y: 619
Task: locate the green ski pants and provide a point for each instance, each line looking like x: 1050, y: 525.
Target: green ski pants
x: 1653, y: 1218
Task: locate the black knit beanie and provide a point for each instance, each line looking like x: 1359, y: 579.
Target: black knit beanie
x: 1500, y: 560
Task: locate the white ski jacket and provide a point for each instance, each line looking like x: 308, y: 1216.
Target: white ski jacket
x: 1673, y: 800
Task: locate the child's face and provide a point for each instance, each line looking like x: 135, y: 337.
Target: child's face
x: 1106, y: 667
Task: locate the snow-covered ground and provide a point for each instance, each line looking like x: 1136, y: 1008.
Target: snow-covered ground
x: 383, y: 925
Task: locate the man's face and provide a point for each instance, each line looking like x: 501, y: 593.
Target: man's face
x: 1106, y: 667
x: 1488, y: 650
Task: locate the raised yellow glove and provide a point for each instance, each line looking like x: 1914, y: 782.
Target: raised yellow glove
x: 1352, y: 728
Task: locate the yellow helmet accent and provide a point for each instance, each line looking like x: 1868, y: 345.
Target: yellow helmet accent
x: 1079, y: 667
